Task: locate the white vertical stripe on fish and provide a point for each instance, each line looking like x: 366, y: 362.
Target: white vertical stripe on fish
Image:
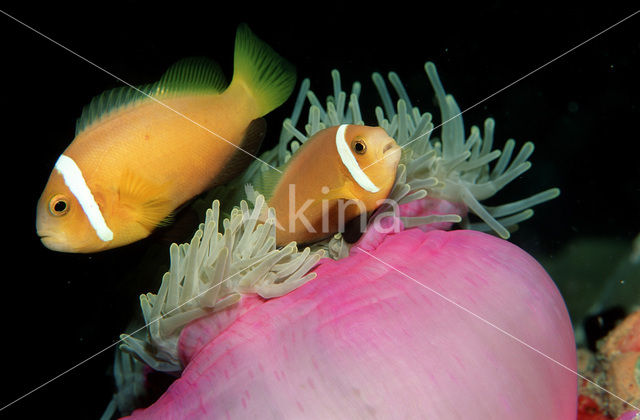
x: 351, y: 163
x: 75, y: 181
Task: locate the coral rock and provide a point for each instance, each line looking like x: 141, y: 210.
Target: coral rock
x: 620, y: 350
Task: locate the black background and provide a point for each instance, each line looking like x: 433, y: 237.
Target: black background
x: 581, y: 112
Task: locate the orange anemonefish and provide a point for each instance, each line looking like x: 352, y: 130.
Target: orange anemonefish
x: 336, y: 175
x: 141, y: 153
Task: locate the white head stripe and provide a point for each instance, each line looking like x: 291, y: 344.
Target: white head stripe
x: 351, y: 163
x: 73, y: 178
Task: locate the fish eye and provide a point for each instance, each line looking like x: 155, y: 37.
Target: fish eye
x: 58, y: 205
x: 359, y: 146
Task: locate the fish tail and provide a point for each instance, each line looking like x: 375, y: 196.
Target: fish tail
x: 264, y: 74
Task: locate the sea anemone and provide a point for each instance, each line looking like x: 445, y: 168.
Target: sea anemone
x: 455, y: 324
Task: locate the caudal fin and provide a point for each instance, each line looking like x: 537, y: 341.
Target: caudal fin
x: 266, y: 76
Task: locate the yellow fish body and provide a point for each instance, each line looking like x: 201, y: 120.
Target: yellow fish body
x: 338, y: 174
x: 137, y: 157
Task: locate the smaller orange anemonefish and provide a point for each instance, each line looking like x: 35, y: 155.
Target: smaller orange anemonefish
x: 338, y: 174
x: 139, y: 154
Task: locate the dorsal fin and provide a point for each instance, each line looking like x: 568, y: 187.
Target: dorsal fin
x: 190, y: 75
x: 194, y: 75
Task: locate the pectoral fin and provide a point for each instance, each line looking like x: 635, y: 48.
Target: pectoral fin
x: 147, y: 203
x: 335, y: 194
x: 344, y: 192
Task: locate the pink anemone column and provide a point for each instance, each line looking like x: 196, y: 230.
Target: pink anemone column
x: 414, y: 324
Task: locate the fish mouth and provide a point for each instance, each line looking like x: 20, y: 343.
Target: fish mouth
x: 46, y: 238
x: 48, y: 241
x: 54, y: 242
x: 390, y: 153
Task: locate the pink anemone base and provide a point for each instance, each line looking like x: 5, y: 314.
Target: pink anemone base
x: 414, y: 324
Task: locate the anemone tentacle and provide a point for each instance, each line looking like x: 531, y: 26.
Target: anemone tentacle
x: 461, y: 166
x: 211, y: 273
